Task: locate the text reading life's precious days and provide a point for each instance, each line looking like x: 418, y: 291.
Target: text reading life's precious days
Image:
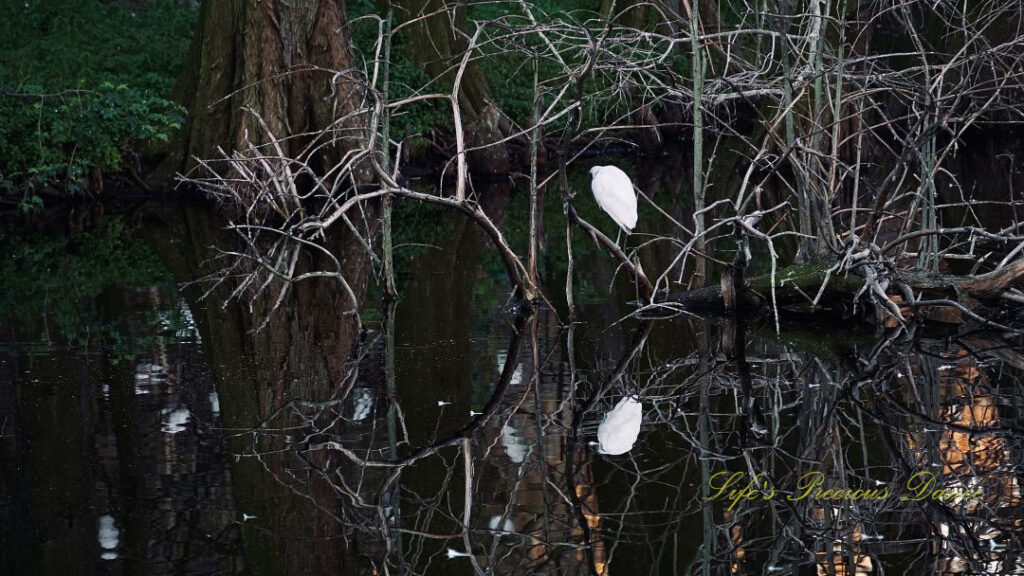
x: 736, y: 486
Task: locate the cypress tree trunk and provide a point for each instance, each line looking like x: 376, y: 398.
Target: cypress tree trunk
x: 275, y: 58
x: 285, y: 63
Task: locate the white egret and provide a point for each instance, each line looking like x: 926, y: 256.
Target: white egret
x: 506, y: 526
x: 614, y: 193
x: 620, y: 428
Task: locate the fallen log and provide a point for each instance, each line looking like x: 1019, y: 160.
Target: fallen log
x: 817, y: 285
x: 988, y: 286
x: 796, y: 284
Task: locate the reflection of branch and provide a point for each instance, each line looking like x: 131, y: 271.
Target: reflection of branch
x: 467, y: 500
x: 515, y: 341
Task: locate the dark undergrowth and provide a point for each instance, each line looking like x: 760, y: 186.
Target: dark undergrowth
x: 83, y: 87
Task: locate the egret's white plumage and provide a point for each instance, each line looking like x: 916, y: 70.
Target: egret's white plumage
x: 620, y: 427
x: 614, y: 193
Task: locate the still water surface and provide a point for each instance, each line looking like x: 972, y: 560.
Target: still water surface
x: 146, y: 431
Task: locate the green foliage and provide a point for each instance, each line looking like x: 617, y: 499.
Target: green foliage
x: 48, y: 139
x: 83, y: 84
x: 49, y: 280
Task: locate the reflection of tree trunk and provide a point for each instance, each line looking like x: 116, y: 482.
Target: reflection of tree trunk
x: 437, y: 321
x: 275, y: 58
x: 967, y: 453
x: 303, y: 353
x: 127, y: 483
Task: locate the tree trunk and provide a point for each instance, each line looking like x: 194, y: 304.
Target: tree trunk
x: 434, y: 44
x: 279, y: 60
x: 262, y: 71
x: 950, y: 299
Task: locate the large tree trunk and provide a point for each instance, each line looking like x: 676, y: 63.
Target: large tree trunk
x: 279, y: 60
x: 259, y: 72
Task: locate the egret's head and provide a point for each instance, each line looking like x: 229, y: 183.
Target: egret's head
x: 594, y: 170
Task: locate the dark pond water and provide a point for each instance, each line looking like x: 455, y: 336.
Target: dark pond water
x: 146, y: 431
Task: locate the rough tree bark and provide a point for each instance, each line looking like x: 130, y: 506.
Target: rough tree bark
x: 287, y: 61
x: 283, y: 67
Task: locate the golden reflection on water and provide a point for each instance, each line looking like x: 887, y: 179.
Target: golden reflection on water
x: 972, y: 454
